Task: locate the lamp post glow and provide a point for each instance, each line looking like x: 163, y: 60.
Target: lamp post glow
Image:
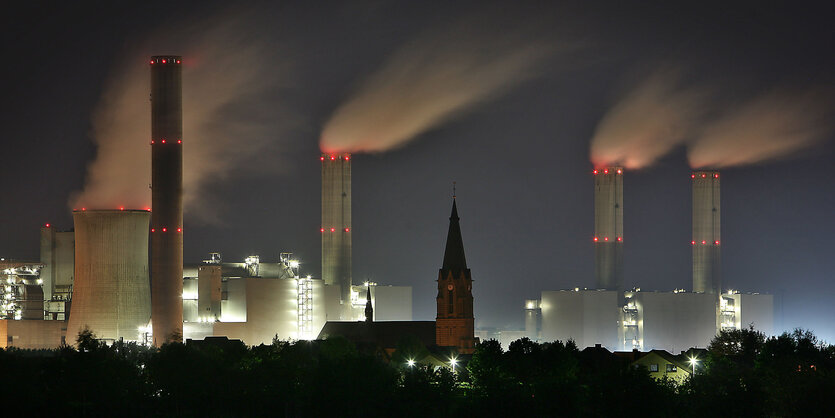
x: 452, y: 362
x: 410, y: 363
x: 693, y: 362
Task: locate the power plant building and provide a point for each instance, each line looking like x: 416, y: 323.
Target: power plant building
x: 111, y: 294
x: 706, y: 232
x: 336, y: 225
x: 608, y: 227
x: 166, y: 197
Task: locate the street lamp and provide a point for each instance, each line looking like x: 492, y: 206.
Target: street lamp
x: 453, y: 361
x: 410, y: 363
x: 693, y: 362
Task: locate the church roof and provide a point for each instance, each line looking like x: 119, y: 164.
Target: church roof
x: 382, y: 334
x: 454, y: 258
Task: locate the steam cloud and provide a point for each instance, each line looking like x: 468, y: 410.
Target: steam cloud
x: 228, y: 78
x: 660, y: 114
x: 426, y: 82
x: 648, y: 122
x: 775, y: 125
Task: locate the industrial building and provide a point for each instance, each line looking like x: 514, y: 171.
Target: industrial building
x: 336, y: 226
x: 643, y: 320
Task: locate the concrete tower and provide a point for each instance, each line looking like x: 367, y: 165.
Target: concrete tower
x: 706, y: 232
x: 336, y: 226
x: 455, y: 324
x: 166, y: 198
x: 608, y: 227
x: 111, y: 294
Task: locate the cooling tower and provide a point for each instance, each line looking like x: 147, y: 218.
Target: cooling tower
x: 608, y: 227
x: 336, y: 225
x: 706, y: 237
x: 166, y: 198
x: 111, y: 294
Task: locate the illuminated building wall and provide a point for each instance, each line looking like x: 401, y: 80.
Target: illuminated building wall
x: 706, y: 232
x: 588, y: 317
x: 608, y: 227
x: 166, y: 197
x: 58, y: 258
x: 336, y: 225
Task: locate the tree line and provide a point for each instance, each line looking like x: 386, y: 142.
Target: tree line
x: 743, y: 374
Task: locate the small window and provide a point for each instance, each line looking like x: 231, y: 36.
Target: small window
x: 671, y: 368
x: 653, y: 367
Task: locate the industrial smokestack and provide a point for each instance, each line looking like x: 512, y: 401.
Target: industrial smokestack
x: 111, y: 294
x: 166, y: 198
x: 336, y: 225
x: 608, y: 227
x: 706, y: 232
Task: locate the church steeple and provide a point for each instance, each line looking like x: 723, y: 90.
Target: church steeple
x: 454, y: 258
x: 454, y: 323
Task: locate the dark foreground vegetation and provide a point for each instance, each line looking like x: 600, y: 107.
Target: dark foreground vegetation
x: 744, y: 374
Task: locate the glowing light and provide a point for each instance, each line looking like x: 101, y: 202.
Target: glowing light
x: 595, y: 172
x: 178, y: 61
x: 179, y: 229
x: 153, y: 230
x: 163, y: 61
x: 715, y: 242
x: 595, y: 239
x: 704, y: 175
x: 322, y: 158
x: 452, y: 362
x: 605, y: 238
x: 147, y: 209
x: 163, y: 141
x: 620, y: 239
x: 410, y: 363
x: 152, y: 142
x: 322, y: 229
x: 704, y: 242
x: 346, y: 229
x: 179, y: 141
x: 346, y: 158
x: 294, y: 264
x: 164, y: 229
x: 620, y: 171
x: 152, y: 62
x: 692, y: 176
x: 332, y: 158
x: 606, y: 171
x: 692, y: 242
x: 47, y: 225
x: 121, y: 208
x: 333, y: 229
x: 83, y: 209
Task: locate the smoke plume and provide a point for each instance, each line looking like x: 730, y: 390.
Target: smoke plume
x: 428, y: 81
x: 774, y: 125
x: 648, y: 122
x: 230, y: 115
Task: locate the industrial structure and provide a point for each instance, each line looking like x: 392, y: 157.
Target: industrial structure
x: 111, y: 294
x: 608, y: 227
x: 166, y: 198
x: 706, y: 232
x: 336, y: 225
x: 642, y: 320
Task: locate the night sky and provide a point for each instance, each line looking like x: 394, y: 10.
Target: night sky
x: 520, y: 155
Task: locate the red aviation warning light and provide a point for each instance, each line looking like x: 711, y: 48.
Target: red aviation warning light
x: 692, y: 176
x: 333, y: 229
x: 595, y: 172
x: 606, y: 239
x: 620, y: 239
x: 606, y: 171
x: 595, y: 239
x: 620, y: 171
x: 47, y: 225
x: 321, y: 229
x: 692, y: 242
x: 716, y: 175
x: 347, y: 157
x: 332, y: 158
x: 715, y: 242
x: 346, y: 229
x: 322, y: 158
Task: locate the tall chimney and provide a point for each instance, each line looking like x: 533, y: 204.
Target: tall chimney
x: 166, y: 198
x: 706, y: 232
x: 336, y: 225
x: 608, y: 227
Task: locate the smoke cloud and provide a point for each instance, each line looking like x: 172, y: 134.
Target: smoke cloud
x: 774, y: 125
x: 437, y: 76
x: 230, y: 114
x: 648, y: 121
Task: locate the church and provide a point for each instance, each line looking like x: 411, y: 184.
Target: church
x: 454, y: 327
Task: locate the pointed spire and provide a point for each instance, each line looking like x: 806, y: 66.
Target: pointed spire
x: 369, y: 310
x: 454, y: 258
